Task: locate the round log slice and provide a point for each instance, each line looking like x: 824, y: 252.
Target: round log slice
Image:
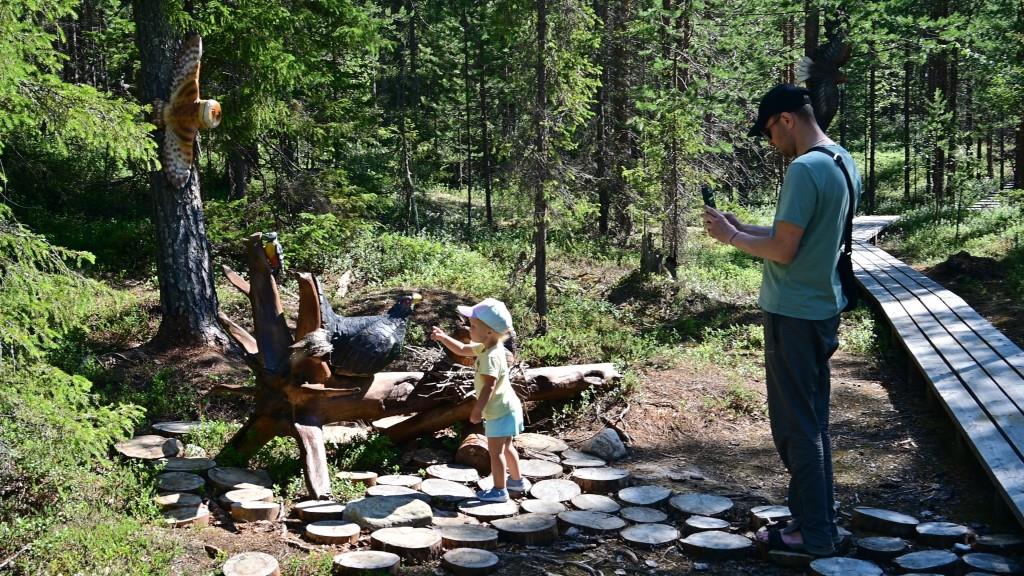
x: 843, y: 567
x: 366, y: 563
x: 390, y: 490
x: 542, y: 506
x: 194, y: 465
x: 187, y: 516
x: 697, y: 523
x: 717, y: 545
x: 177, y: 500
x: 650, y: 535
x: 700, y: 504
x: 488, y: 510
x: 179, y: 482
x: 226, y: 478
x: 453, y: 472
x: 572, y: 459
x: 557, y: 490
x: 468, y: 536
x: 364, y: 478
x: 881, y: 548
x: 644, y: 495
x: 884, y: 522
x: 334, y: 532
x: 591, y: 522
x: 939, y: 561
x: 247, y: 495
x: 539, y: 469
x: 942, y: 534
x: 446, y: 491
x: 596, y: 503
x: 539, y: 442
x: 642, y: 514
x: 254, y: 510
x: 425, y: 457
x: 1000, y: 543
x: 601, y: 480
x: 176, y: 428
x: 150, y: 447
x: 768, y: 514
x: 403, y: 480
x: 469, y: 562
x: 251, y: 564
x: 473, y: 452
x: 413, y: 544
x: 318, y: 510
x: 991, y: 563
x: 527, y: 529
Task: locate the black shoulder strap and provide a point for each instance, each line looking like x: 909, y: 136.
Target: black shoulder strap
x: 848, y: 232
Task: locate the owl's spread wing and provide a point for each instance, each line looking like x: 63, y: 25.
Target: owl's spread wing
x: 176, y: 157
x: 180, y: 118
x: 185, y: 75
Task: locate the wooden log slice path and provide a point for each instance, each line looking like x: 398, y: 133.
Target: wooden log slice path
x: 365, y: 478
x: 557, y: 490
x: 641, y: 514
x: 700, y: 504
x: 446, y: 491
x: 413, y: 544
x: 333, y: 532
x: 247, y: 495
x: 650, y: 535
x: 150, y: 447
x: 590, y: 522
x: 488, y: 510
x: 942, y: 534
x: 194, y: 465
x: 539, y: 442
x: 391, y: 490
x: 539, y: 469
x: 884, y: 522
x: 319, y: 510
x: 645, y: 495
x: 226, y: 478
x: 403, y: 480
x: 939, y: 561
x: 527, y: 529
x: 572, y: 459
x: 468, y: 536
x: 717, y: 545
x: 601, y: 480
x: 595, y: 503
x: 843, y: 567
x: 881, y: 548
x: 179, y: 482
x: 177, y: 500
x: 187, y: 516
x: 487, y: 482
x: 177, y: 427
x: 542, y: 506
x: 992, y: 563
x: 453, y: 472
x: 1000, y: 543
x: 768, y: 514
x: 473, y: 452
x: 367, y: 563
x: 251, y: 564
x: 442, y: 518
x: 469, y: 561
x: 698, y: 523
x: 255, y: 510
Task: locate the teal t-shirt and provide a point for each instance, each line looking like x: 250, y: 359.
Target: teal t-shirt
x: 813, y: 197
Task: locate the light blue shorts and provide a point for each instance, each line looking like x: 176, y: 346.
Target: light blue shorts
x: 510, y: 424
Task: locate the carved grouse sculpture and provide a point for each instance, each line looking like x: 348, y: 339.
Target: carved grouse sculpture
x: 820, y: 72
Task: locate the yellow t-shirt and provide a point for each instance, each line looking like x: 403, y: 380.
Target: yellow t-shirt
x: 492, y: 362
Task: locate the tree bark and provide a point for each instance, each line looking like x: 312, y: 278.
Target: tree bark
x: 907, y: 71
x: 485, y: 136
x: 540, y: 201
x: 873, y: 134
x: 601, y: 103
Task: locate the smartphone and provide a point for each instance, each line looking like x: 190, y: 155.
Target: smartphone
x: 708, y: 195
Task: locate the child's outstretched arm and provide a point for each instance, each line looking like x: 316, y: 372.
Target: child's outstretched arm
x: 459, y: 348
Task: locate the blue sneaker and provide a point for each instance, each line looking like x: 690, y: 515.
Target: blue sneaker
x: 521, y: 485
x: 493, y: 495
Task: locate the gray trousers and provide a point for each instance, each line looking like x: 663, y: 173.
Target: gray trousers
x: 796, y: 354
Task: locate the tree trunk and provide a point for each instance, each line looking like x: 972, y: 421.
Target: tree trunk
x: 907, y: 71
x: 1018, y: 165
x: 187, y: 296
x: 811, y: 27
x: 601, y: 103
x: 873, y: 134
x: 240, y: 162
x: 467, y: 88
x: 485, y: 141
x: 540, y: 201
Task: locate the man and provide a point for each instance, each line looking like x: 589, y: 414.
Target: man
x: 802, y: 297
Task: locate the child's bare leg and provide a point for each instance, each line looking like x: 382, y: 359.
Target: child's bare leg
x: 512, y: 458
x: 496, y: 446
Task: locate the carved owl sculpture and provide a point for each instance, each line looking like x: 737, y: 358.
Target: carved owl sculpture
x: 184, y: 114
x: 821, y: 74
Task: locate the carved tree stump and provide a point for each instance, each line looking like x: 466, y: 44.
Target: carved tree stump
x: 296, y: 394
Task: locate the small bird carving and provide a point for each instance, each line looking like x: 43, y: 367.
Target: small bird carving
x: 184, y: 114
x: 820, y: 72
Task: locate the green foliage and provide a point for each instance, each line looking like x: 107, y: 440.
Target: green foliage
x: 212, y: 435
x: 375, y: 452
x: 738, y: 401
x: 737, y: 347
x: 860, y: 333
x: 314, y: 564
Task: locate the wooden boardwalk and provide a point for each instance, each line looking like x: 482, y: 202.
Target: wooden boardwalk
x: 975, y: 371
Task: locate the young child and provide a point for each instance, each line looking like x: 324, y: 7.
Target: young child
x: 496, y: 402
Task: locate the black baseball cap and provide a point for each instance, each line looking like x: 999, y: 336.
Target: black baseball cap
x: 782, y: 98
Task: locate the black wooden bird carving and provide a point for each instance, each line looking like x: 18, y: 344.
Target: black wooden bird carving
x: 821, y: 74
